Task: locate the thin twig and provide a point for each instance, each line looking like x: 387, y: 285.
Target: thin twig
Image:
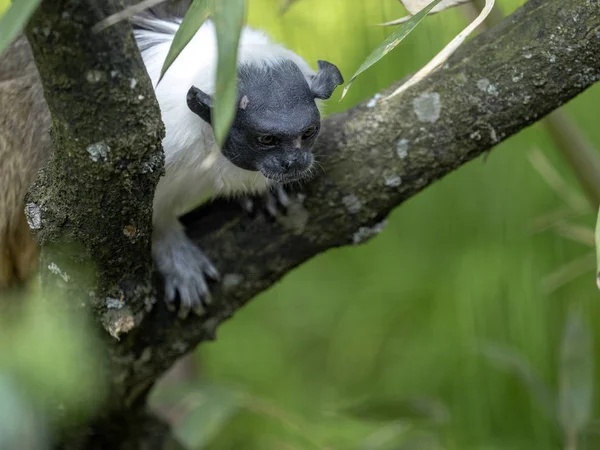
x: 414, y: 8
x: 568, y: 272
x: 442, y: 56
x: 260, y: 406
x: 551, y: 219
x: 552, y: 177
x: 576, y: 233
x: 399, y: 21
x: 128, y: 12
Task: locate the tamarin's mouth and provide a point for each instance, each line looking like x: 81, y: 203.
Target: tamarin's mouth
x: 289, y: 177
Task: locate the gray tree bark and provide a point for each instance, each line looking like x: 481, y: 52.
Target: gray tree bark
x: 107, y: 157
x: 375, y: 156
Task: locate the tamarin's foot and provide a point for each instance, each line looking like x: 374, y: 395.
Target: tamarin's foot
x: 273, y: 202
x: 185, y: 269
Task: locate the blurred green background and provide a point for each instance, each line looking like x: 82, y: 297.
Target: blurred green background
x: 442, y: 332
x: 447, y: 331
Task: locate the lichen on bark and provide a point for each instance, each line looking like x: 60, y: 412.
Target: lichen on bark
x: 95, y: 195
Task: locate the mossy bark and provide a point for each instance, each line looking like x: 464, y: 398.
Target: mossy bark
x: 376, y: 156
x: 95, y: 195
x: 93, y: 200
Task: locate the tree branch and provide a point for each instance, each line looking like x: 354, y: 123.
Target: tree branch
x: 375, y: 156
x: 380, y: 153
x: 107, y: 159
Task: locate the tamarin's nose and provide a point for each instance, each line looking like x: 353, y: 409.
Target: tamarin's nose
x: 295, y: 161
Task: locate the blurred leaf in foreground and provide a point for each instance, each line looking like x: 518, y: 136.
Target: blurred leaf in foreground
x: 396, y: 436
x: 512, y: 361
x: 228, y: 17
x: 395, y: 409
x: 286, y: 4
x: 52, y: 354
x: 14, y: 19
x: 597, y: 236
x: 445, y: 53
x: 391, y: 42
x: 576, y: 374
x: 414, y: 6
x: 192, y: 21
x: 21, y: 428
x: 197, y: 412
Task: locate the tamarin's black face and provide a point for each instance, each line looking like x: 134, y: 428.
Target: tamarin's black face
x: 277, y: 119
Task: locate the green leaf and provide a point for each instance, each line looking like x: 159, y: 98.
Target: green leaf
x: 399, y: 436
x: 422, y: 440
x: 14, y: 20
x: 196, y: 15
x: 597, y: 236
x: 512, y: 361
x: 228, y: 16
x: 576, y: 375
x: 389, y: 436
x: 412, y: 6
x: 199, y: 411
x: 285, y: 5
x: 391, y: 42
x: 52, y: 353
x: 394, y: 409
x: 21, y: 425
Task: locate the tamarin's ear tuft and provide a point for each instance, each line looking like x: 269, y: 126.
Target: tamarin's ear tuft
x: 199, y: 103
x: 326, y: 80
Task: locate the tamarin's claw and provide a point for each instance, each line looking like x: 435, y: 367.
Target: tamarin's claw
x: 185, y: 269
x: 273, y: 202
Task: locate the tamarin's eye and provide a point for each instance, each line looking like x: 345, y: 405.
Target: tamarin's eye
x: 267, y: 139
x: 310, y: 132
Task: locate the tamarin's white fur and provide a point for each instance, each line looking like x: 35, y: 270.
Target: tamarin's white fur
x: 195, y: 168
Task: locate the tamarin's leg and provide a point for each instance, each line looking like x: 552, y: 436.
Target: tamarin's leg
x: 6, y: 264
x: 24, y: 249
x: 24, y: 146
x: 18, y: 254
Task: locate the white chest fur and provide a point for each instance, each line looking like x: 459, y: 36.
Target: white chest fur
x: 195, y: 169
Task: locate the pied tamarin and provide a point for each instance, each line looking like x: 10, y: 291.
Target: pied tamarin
x: 269, y: 143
